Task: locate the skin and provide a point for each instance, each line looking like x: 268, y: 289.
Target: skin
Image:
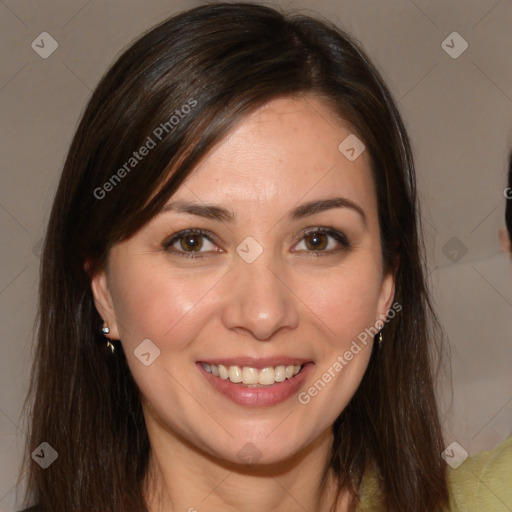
x: 505, y: 240
x: 292, y: 300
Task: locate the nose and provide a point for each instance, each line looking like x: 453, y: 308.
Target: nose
x: 259, y: 301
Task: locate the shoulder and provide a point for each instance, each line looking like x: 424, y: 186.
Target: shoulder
x: 483, y: 481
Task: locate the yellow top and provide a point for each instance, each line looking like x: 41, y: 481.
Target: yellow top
x: 482, y: 483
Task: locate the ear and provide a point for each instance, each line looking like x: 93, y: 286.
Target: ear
x: 387, y: 292
x: 505, y: 241
x: 103, y: 300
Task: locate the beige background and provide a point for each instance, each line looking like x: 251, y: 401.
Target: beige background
x: 458, y: 112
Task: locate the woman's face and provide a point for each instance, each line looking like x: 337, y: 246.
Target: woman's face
x: 277, y: 277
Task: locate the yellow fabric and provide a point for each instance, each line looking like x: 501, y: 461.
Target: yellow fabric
x: 482, y: 483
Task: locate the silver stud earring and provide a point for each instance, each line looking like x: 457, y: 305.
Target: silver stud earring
x: 380, y: 339
x: 106, y: 330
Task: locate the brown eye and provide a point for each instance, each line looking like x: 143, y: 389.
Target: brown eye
x: 316, y: 241
x: 323, y: 241
x: 191, y: 242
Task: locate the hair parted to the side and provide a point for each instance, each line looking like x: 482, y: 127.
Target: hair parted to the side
x: 228, y: 60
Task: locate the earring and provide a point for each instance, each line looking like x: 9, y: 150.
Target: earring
x: 380, y: 339
x: 106, y: 330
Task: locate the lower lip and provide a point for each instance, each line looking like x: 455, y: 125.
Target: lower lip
x: 258, y: 397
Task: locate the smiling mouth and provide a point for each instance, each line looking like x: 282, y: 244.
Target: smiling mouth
x: 253, y: 377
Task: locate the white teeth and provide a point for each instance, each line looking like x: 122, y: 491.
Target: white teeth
x: 235, y: 374
x: 250, y: 375
x: 280, y: 373
x: 253, y: 377
x: 223, y: 372
x: 266, y: 376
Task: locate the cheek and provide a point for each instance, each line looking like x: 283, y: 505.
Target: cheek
x: 346, y: 299
x: 346, y: 303
x: 152, y: 302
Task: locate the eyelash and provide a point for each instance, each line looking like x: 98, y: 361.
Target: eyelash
x: 339, y: 237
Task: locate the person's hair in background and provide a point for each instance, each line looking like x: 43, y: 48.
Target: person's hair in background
x: 506, y: 236
x: 226, y: 60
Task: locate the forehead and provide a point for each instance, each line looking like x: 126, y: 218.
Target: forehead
x: 286, y: 151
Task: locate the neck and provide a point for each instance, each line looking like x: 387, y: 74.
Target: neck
x: 182, y: 478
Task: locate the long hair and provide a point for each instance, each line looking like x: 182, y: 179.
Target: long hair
x: 184, y: 85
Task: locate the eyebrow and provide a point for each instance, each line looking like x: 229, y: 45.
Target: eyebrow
x: 219, y: 213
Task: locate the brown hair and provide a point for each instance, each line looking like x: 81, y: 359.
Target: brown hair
x: 224, y: 61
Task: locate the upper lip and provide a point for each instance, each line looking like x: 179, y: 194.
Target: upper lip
x: 257, y: 362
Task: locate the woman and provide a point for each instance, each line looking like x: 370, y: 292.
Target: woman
x: 233, y: 310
